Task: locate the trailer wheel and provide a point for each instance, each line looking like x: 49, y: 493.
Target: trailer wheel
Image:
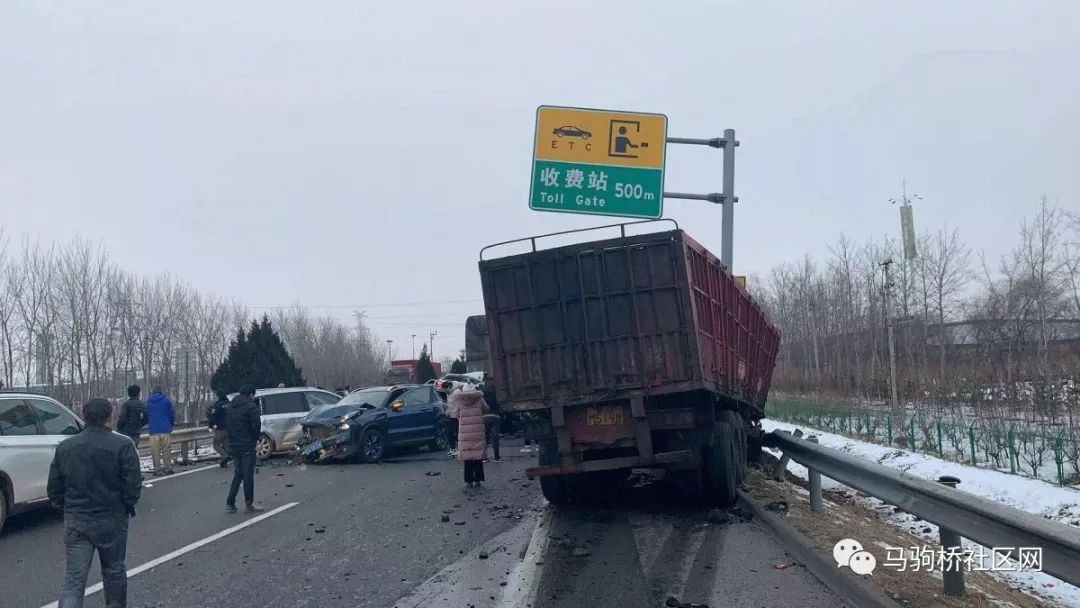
x: 555, y: 488
x: 753, y: 446
x: 720, y: 469
x: 739, y: 429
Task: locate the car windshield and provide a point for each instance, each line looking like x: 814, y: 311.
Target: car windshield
x: 373, y: 398
x: 331, y: 410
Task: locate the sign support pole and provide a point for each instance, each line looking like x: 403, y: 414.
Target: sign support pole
x: 726, y: 198
x: 728, y: 219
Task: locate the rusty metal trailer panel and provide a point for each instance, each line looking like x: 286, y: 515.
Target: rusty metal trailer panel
x: 631, y: 316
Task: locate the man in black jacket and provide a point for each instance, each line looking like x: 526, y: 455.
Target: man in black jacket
x: 243, y: 423
x: 133, y: 415
x: 95, y: 482
x: 216, y: 420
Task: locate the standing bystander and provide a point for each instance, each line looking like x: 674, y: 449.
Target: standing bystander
x: 243, y: 423
x: 216, y: 420
x: 132, y: 415
x: 95, y: 482
x: 162, y: 415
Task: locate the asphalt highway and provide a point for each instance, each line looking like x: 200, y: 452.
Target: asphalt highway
x: 375, y: 535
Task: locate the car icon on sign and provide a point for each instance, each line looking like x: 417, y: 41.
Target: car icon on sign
x: 569, y: 131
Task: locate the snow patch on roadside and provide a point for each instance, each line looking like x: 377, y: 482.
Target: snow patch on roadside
x: 1061, y: 504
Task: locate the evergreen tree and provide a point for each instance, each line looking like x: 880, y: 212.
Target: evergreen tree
x: 459, y: 367
x: 424, y: 369
x: 258, y: 358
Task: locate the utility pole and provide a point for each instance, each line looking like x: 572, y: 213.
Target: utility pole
x: 889, y: 325
x: 414, y: 347
x: 390, y: 350
x: 431, y: 344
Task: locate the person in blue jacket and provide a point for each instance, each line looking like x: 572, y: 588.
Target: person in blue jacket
x: 162, y: 415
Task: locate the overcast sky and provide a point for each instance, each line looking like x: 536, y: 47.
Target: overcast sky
x: 343, y: 154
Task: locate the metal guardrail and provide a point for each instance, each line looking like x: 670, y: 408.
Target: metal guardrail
x: 990, y: 524
x: 188, y: 439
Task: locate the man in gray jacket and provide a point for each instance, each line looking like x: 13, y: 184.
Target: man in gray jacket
x: 95, y: 482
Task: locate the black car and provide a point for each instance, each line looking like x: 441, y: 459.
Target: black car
x: 366, y: 423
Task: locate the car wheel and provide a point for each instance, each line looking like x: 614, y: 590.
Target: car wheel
x: 372, y: 445
x: 264, y: 447
x: 441, y: 441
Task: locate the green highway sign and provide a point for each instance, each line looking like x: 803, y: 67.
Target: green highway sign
x: 598, y: 162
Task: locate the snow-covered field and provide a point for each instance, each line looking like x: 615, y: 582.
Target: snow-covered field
x: 1061, y: 504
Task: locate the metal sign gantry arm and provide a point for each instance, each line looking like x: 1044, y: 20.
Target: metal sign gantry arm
x: 726, y: 198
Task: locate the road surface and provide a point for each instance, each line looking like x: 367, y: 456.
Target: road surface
x: 374, y: 535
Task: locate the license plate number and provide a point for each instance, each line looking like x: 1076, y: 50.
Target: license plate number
x: 603, y: 416
x: 312, y: 447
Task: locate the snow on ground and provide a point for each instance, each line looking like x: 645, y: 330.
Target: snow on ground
x: 1061, y: 504
x: 146, y: 464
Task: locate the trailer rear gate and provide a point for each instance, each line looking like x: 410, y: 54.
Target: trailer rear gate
x: 640, y: 315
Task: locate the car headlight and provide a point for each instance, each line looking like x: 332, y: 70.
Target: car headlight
x: 344, y: 426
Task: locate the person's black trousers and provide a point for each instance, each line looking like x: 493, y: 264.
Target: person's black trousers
x: 453, y: 432
x: 83, y: 535
x: 243, y: 472
x: 474, y: 471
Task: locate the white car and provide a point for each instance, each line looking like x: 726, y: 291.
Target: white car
x: 31, y: 426
x: 282, y: 410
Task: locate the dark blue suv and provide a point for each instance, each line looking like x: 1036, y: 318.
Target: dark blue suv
x: 368, y: 422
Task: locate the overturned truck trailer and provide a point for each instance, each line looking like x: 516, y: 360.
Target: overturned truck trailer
x: 634, y: 352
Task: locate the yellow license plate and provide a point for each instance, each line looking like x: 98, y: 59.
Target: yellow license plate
x: 601, y: 416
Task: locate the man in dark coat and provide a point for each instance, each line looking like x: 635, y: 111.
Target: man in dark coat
x: 133, y: 415
x: 216, y: 420
x: 243, y: 423
x: 95, y: 482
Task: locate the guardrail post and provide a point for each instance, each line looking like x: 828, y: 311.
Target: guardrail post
x: 184, y: 447
x: 952, y: 570
x: 816, y: 504
x: 778, y: 472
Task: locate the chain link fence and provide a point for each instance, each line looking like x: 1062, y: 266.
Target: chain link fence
x: 1043, y: 452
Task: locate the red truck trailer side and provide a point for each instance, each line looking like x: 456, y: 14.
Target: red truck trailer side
x: 635, y: 351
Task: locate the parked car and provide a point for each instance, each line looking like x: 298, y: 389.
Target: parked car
x: 31, y: 426
x: 367, y: 423
x: 282, y: 410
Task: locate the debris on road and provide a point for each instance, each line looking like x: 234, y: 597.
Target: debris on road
x: 483, y: 555
x: 581, y: 552
x: 445, y: 518
x: 777, y: 506
x: 433, y: 473
x: 719, y: 516
x: 673, y: 602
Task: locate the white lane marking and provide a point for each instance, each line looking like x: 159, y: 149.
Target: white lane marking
x: 650, y: 534
x: 152, y: 480
x: 524, y: 581
x: 188, y: 548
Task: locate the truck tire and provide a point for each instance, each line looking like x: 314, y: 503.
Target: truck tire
x: 555, y: 488
x: 721, y: 475
x: 739, y: 427
x: 753, y: 445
